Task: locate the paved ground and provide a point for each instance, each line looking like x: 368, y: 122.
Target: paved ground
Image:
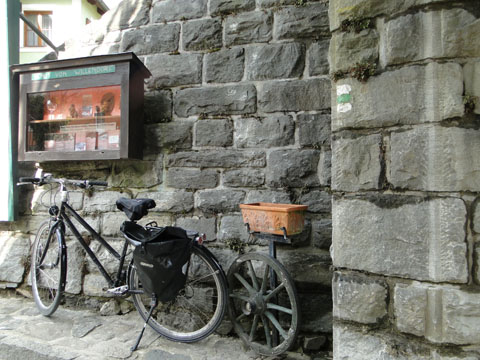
x: 84, y: 334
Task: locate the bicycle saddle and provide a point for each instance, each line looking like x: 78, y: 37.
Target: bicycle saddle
x: 135, y: 209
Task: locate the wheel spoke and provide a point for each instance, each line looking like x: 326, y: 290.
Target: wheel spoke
x: 279, y: 308
x: 275, y: 323
x: 275, y: 291
x: 266, y: 327
x: 254, y: 327
x: 240, y: 297
x: 265, y: 279
x: 253, y: 276
x: 245, y: 283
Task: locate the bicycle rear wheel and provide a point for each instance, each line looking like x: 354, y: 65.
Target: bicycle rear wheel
x: 48, y: 268
x: 197, y: 310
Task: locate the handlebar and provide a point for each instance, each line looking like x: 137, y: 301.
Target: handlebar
x: 48, y: 179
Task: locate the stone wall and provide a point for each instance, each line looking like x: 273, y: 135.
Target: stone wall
x: 237, y: 111
x: 405, y: 178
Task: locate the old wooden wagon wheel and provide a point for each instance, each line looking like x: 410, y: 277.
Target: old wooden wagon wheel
x: 263, y: 303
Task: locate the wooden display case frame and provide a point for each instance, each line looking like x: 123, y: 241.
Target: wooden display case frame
x: 124, y: 70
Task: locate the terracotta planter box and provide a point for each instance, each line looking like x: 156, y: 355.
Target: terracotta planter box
x: 271, y: 218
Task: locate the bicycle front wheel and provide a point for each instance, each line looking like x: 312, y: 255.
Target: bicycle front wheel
x: 196, y: 311
x: 48, y: 268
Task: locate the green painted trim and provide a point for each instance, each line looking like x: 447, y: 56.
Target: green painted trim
x: 344, y: 98
x: 96, y: 70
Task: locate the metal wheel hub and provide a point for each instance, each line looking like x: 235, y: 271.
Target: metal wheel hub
x: 255, y: 305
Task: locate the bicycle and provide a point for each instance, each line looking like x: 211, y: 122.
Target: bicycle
x: 193, y: 314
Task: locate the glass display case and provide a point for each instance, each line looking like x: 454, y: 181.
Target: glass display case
x: 81, y: 109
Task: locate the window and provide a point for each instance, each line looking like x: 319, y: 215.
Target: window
x: 43, y: 21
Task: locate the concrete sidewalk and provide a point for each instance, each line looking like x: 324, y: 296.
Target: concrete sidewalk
x: 85, y: 334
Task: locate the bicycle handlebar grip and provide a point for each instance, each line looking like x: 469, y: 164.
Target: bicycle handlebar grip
x: 29, y: 179
x: 97, y: 183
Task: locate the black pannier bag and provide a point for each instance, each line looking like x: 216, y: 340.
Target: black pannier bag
x: 161, y: 258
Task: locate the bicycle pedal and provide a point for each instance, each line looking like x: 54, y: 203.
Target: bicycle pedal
x: 121, y: 290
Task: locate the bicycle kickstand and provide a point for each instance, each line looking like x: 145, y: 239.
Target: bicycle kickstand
x: 153, y: 305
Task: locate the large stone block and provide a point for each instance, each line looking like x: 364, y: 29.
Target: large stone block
x: 129, y: 13
x: 294, y: 95
x: 224, y: 7
x: 410, y: 309
x: 232, y: 228
x: 318, y: 58
x: 213, y: 159
x: 151, y: 39
x: 356, y: 163
x: 314, y: 130
x: 442, y: 314
x: 267, y: 132
x: 411, y: 95
x: 322, y: 233
x: 111, y: 223
x: 157, y: 107
x: 318, y: 201
x: 471, y: 74
x: 251, y: 27
x: 325, y: 168
x: 402, y: 236
x: 75, y: 267
x: 224, y: 100
x: 14, y: 255
x: 224, y: 65
x: 205, y: 225
x: 275, y: 3
x: 274, y: 61
x: 271, y: 196
x: 347, y: 49
x: 188, y: 178
x: 354, y: 344
x: 243, y: 178
x: 174, y: 70
x: 136, y: 173
x: 476, y: 217
x: 214, y: 133
x: 171, y: 10
x: 447, y: 33
x: 202, y: 34
x: 292, y: 168
x: 341, y: 10
x: 307, y: 266
x: 219, y: 200
x: 101, y: 201
x: 310, y: 20
x: 436, y: 159
x: 359, y: 298
x: 174, y: 136
x: 179, y: 201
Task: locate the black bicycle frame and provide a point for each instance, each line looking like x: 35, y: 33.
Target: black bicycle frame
x: 67, y: 210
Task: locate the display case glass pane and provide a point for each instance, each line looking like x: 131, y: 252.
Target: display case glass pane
x: 74, y: 120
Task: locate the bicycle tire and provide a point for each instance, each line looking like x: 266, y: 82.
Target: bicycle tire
x: 197, y: 310
x: 48, y: 272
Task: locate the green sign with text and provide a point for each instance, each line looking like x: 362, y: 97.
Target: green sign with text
x: 95, y: 70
